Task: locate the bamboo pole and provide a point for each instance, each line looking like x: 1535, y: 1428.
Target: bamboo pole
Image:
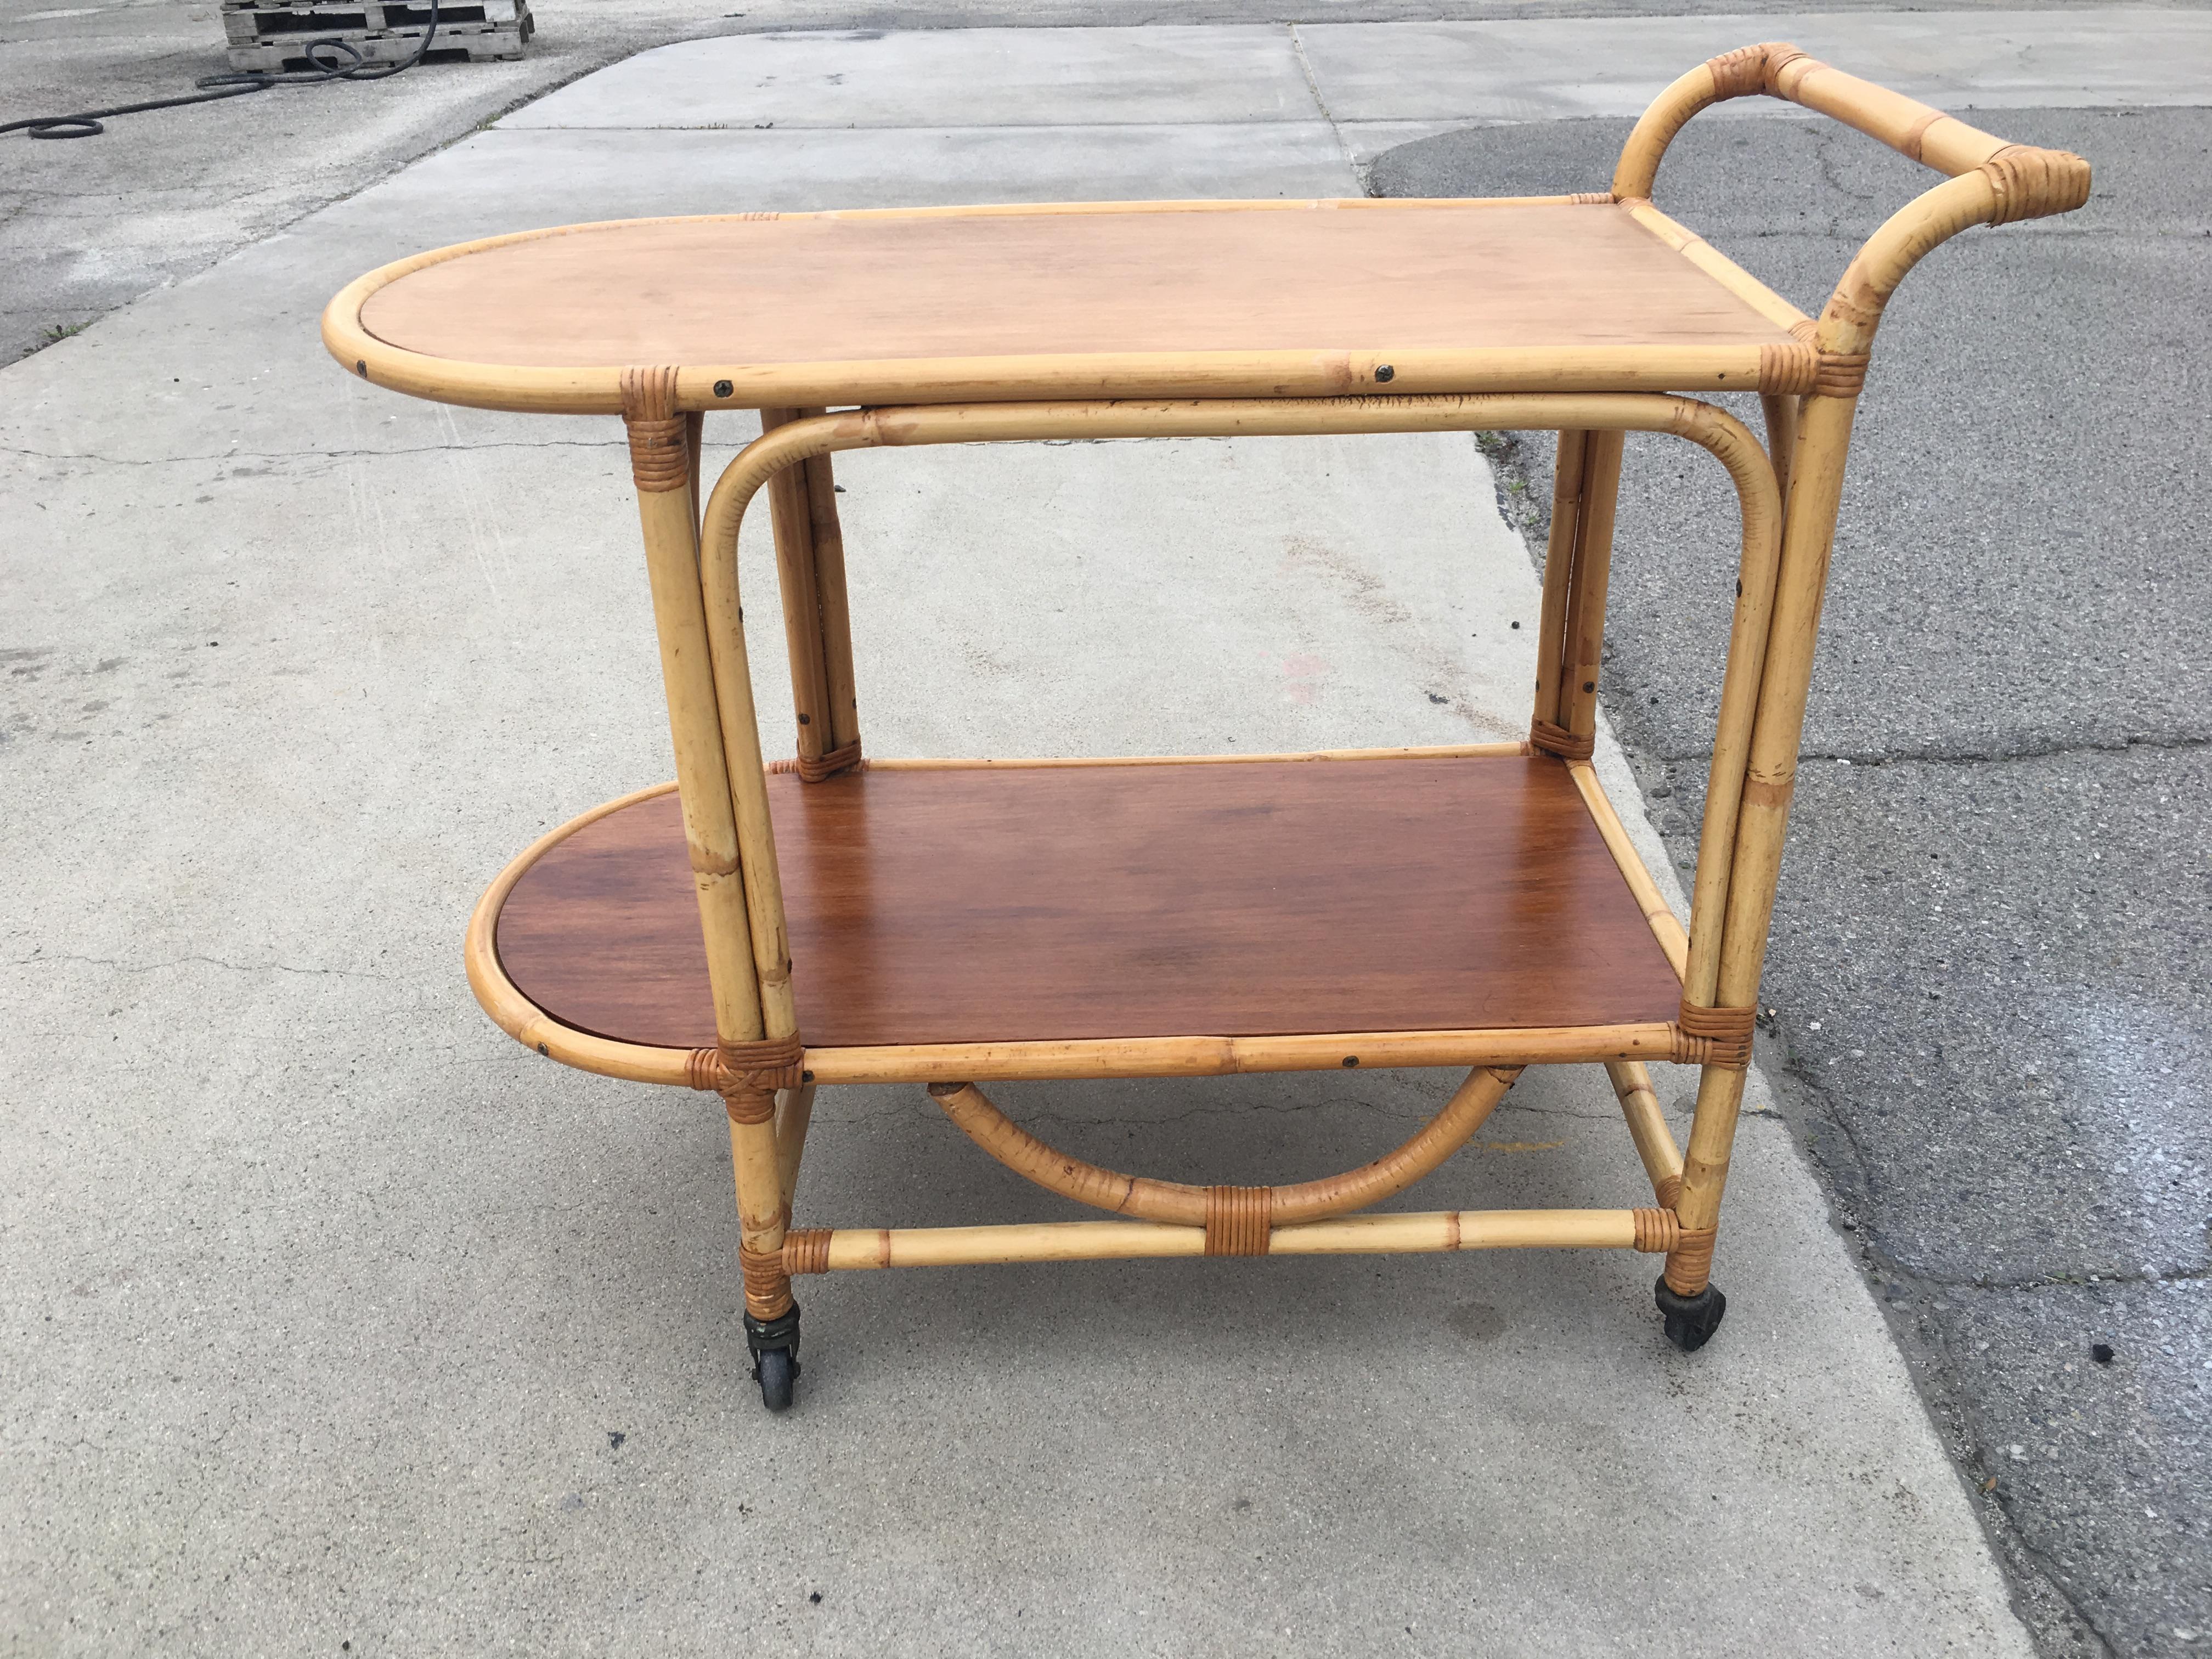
x: 1770, y: 776
x: 794, y: 1113
x: 1220, y: 1056
x: 1584, y: 648
x: 791, y: 514
x: 768, y: 927
x: 1658, y: 915
x: 1071, y: 1178
x: 1567, y: 478
x: 1749, y: 630
x: 1437, y: 751
x: 762, y: 1215
x: 828, y: 536
x: 1780, y: 409
x: 854, y: 1247
x: 1647, y: 1127
x: 660, y: 449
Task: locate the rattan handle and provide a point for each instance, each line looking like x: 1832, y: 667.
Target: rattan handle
x: 1778, y: 69
x: 1993, y: 182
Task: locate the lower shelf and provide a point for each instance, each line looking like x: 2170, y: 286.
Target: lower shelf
x: 1027, y: 903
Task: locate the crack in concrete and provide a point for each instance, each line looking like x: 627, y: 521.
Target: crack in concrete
x: 310, y: 455
x: 180, y: 962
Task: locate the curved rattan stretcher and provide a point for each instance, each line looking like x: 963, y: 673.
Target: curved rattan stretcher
x: 1592, y: 315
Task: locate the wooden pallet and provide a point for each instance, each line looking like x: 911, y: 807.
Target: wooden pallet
x: 273, y: 35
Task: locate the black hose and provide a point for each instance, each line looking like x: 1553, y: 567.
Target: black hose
x: 214, y: 88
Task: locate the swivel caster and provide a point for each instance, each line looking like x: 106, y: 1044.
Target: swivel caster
x: 774, y: 1347
x: 1690, y: 1321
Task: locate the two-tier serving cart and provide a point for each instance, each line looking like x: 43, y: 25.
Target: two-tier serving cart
x: 761, y: 928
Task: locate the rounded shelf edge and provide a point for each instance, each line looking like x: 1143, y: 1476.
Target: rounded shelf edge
x: 523, y: 1019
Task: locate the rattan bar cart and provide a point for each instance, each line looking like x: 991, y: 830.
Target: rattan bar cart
x: 760, y: 929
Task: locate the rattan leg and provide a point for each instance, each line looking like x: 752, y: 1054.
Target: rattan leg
x: 1781, y: 409
x: 759, y: 1173
x: 810, y: 561
x: 1807, y: 538
x: 661, y: 456
x: 1572, y: 627
x: 794, y: 1113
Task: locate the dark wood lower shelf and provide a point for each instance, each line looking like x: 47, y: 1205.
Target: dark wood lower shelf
x: 1020, y: 904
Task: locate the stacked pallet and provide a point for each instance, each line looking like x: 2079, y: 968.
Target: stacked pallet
x: 274, y: 34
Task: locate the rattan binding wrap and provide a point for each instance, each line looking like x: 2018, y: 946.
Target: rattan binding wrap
x: 660, y: 442
x: 1657, y: 1232
x: 768, y: 1286
x: 2033, y: 183
x: 1690, y: 1263
x: 1555, y: 740
x: 749, y: 1069
x: 1834, y: 373
x: 1749, y: 70
x: 806, y: 1250
x: 812, y: 769
x: 1239, y: 1220
x: 1787, y: 370
x: 1726, y: 1032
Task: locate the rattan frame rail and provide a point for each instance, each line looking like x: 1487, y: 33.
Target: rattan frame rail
x: 1787, y: 489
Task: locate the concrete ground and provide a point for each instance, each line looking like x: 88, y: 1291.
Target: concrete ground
x: 336, y: 1318
x: 1992, y: 949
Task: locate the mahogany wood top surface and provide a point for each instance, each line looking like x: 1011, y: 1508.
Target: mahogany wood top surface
x: 831, y: 288
x: 1039, y: 904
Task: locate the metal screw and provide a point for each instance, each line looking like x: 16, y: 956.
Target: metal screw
x: 723, y: 388
x: 1384, y: 371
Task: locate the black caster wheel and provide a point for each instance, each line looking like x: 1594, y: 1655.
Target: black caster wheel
x: 1690, y: 1321
x: 774, y: 1345
x: 775, y: 1369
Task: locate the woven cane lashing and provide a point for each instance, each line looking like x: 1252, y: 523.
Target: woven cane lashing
x: 1834, y: 373
x: 1739, y: 74
x: 1239, y: 1220
x: 806, y: 1250
x: 1749, y: 70
x: 1787, y: 370
x: 1657, y: 1232
x: 1841, y: 373
x: 1556, y: 739
x: 2033, y: 183
x: 813, y: 769
x: 659, y: 445
x: 768, y: 1287
x: 750, y: 1069
x: 1690, y: 1263
x: 1727, y: 1030
x: 750, y: 1105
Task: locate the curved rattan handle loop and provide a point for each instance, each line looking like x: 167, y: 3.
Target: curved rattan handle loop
x: 1993, y: 182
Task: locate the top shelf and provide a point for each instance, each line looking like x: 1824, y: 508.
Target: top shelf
x: 1165, y: 299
